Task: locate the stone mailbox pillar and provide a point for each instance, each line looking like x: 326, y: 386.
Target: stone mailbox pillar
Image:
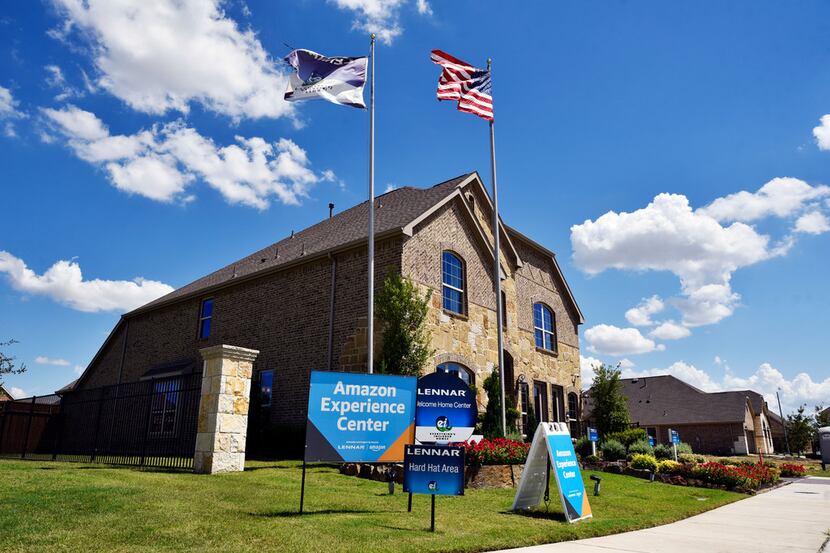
x: 223, y: 409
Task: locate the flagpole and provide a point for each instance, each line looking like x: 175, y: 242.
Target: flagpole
x: 497, y: 271
x: 370, y: 337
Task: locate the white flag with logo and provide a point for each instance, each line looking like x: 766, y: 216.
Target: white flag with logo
x: 338, y: 80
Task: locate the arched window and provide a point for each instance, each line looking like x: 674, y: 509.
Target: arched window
x: 573, y: 406
x: 459, y: 370
x: 544, y: 327
x: 452, y: 270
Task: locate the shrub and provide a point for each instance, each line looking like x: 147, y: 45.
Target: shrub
x: 583, y: 446
x: 497, y: 451
x: 729, y: 462
x: 689, y: 458
x: 612, y: 450
x: 750, y: 476
x: 628, y: 437
x: 641, y: 447
x: 662, y: 451
x: 667, y: 466
x: 643, y: 462
x: 683, y: 447
x: 792, y: 470
x: 591, y: 459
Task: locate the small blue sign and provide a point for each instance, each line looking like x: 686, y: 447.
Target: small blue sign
x: 651, y: 441
x: 359, y: 418
x: 675, y: 437
x: 445, y: 409
x: 593, y: 435
x: 433, y: 469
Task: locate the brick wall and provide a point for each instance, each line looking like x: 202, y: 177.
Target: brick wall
x: 712, y: 439
x: 284, y: 315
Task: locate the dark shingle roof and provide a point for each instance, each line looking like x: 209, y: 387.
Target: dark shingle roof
x: 666, y: 400
x: 393, y: 210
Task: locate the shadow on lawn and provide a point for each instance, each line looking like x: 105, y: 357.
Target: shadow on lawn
x: 546, y: 515
x: 292, y: 514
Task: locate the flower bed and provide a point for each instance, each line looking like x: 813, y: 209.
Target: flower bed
x: 793, y: 470
x: 498, y: 451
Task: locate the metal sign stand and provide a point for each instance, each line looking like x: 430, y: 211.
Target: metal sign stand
x: 432, y: 516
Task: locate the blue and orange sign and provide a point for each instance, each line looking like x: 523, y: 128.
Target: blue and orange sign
x: 359, y: 418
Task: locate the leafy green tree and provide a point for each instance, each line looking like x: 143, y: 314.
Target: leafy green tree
x: 403, y: 313
x: 491, y: 424
x: 8, y: 363
x: 800, y: 430
x: 609, y: 405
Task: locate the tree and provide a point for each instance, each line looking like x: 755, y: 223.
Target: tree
x: 7, y: 363
x: 405, y: 338
x: 799, y: 430
x: 491, y: 425
x: 609, y: 405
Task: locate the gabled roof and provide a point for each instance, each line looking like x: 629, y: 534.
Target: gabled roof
x: 4, y: 392
x: 666, y: 400
x: 393, y: 212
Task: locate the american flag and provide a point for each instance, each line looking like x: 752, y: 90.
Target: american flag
x: 468, y: 85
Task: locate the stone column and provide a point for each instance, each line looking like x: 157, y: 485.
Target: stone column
x: 223, y: 409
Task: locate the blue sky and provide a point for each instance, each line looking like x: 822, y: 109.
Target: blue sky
x: 674, y: 156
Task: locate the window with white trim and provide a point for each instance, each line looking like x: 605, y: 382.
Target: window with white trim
x: 544, y: 327
x: 452, y: 278
x: 459, y: 370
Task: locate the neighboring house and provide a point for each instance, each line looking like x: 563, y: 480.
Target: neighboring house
x: 302, y: 303
x: 4, y: 395
x: 719, y: 423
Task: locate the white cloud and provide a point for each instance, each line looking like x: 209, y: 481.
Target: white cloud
x: 78, y: 370
x: 800, y: 390
x: 8, y: 105
x: 611, y: 340
x: 718, y: 361
x: 641, y: 315
x: 822, y: 133
x: 670, y: 330
x: 162, y: 162
x: 56, y: 79
x: 164, y: 55
x: 667, y: 235
x: 423, y: 7
x: 586, y: 370
x: 17, y: 393
x: 381, y: 17
x: 43, y: 360
x: 813, y: 222
x: 682, y: 370
x: 780, y: 197
x: 9, y: 110
x: 64, y: 283
x: 626, y: 363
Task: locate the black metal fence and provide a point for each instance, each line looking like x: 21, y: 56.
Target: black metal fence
x: 148, y: 423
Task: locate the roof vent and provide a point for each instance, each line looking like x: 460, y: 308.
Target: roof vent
x: 331, y: 209
x: 276, y: 253
x: 303, y: 252
x: 262, y: 260
x: 634, y: 380
x: 234, y: 272
x: 292, y: 233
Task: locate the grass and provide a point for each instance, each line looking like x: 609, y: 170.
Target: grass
x: 76, y: 507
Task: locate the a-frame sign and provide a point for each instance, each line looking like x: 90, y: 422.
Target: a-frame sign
x: 552, y: 449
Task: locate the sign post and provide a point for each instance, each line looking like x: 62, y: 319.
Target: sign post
x: 675, y: 439
x: 433, y: 470
x: 358, y: 418
x: 552, y: 443
x: 593, y: 436
x: 651, y: 441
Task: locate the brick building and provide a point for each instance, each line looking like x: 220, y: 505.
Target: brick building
x: 302, y: 303
x: 719, y: 423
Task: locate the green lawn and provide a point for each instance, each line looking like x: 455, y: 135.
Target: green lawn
x: 75, y: 507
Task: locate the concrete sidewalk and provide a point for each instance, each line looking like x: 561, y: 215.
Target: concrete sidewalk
x: 793, y: 518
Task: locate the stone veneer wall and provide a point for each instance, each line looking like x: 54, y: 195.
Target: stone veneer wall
x: 223, y: 409
x: 470, y: 338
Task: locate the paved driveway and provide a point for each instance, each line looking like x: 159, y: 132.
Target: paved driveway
x: 794, y: 518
